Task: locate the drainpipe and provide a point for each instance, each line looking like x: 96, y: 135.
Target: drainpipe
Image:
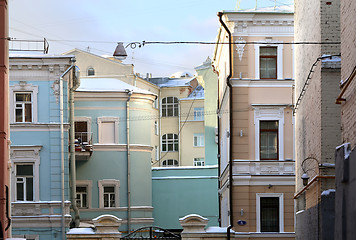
x: 129, y: 93
x: 61, y: 113
x: 220, y: 14
x: 73, y: 86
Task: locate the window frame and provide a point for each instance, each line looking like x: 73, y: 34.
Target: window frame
x: 272, y: 114
x: 279, y: 58
x: 109, y: 183
x: 156, y: 128
x: 100, y: 121
x: 201, y: 161
x: 173, y: 141
x: 20, y: 155
x: 269, y: 57
x: 23, y: 87
x: 167, y: 165
x: 165, y: 107
x: 199, y: 117
x: 269, y: 130
x: 200, y: 140
x: 91, y: 69
x: 89, y: 185
x: 258, y: 210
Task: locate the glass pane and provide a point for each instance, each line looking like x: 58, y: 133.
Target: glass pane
x: 112, y: 200
x: 29, y: 189
x: 84, y: 198
x: 106, y: 200
x: 24, y: 170
x: 269, y: 214
x: 268, y: 68
x: 18, y: 113
x: 269, y: 125
x: 19, y: 191
x: 82, y: 189
x: 109, y: 189
x: 268, y: 51
x: 28, y: 112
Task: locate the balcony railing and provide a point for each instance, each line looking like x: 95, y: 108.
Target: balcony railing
x: 83, y: 145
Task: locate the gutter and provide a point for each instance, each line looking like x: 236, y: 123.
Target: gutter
x: 220, y: 14
x: 129, y: 93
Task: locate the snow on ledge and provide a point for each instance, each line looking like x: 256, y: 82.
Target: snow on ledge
x: 81, y: 231
x: 217, y: 230
x: 327, y: 192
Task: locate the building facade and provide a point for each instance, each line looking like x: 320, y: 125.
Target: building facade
x: 39, y: 172
x: 255, y: 125
x: 317, y: 115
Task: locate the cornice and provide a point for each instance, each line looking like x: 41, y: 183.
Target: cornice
x: 236, y: 82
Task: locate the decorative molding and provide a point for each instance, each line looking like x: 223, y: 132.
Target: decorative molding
x: 262, y: 83
x: 56, y: 90
x: 240, y: 45
x: 264, y: 168
x: 263, y: 180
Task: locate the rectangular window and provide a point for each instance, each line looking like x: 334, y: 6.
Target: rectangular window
x: 198, y: 140
x: 82, y: 197
x: 108, y: 130
x: 170, y: 142
x: 198, y: 114
x: 199, y: 162
x: 23, y: 107
x: 156, y: 128
x: 156, y: 153
x: 269, y: 140
x: 81, y: 131
x: 24, y: 182
x: 169, y: 107
x: 269, y: 210
x: 109, y: 196
x: 268, y: 62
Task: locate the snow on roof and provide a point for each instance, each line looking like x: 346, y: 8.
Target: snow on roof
x: 107, y: 85
x: 181, y: 75
x: 327, y: 192
x: 177, y: 82
x: 36, y: 55
x: 81, y: 231
x: 198, y: 93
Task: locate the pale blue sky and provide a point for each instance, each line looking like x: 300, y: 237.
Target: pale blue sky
x: 127, y: 21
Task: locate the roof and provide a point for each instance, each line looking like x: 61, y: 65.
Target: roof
x: 278, y: 9
x: 36, y: 55
x: 92, y: 84
x: 171, y: 82
x: 198, y: 93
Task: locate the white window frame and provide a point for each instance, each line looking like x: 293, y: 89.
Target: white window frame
x: 114, y: 120
x: 279, y: 58
x: 269, y: 114
x: 21, y: 155
x: 200, y: 160
x: 88, y: 120
x: 23, y: 87
x: 167, y: 104
x: 89, y: 185
x: 174, y: 141
x: 200, y: 140
x: 156, y: 153
x: 258, y: 210
x: 109, y: 183
x: 174, y: 161
x: 200, y: 117
x: 156, y: 128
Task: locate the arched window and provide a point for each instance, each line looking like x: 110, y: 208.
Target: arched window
x: 91, y: 71
x: 170, y: 163
x: 170, y: 142
x: 169, y: 107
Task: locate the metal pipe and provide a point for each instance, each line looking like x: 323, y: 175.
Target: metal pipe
x: 220, y: 14
x: 129, y: 93
x: 73, y: 87
x: 311, y: 182
x: 345, y: 86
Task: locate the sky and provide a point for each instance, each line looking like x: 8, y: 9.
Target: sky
x: 97, y: 26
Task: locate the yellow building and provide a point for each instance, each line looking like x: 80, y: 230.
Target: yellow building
x: 255, y: 132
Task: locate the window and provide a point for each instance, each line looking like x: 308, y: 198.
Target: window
x: 199, y: 162
x: 169, y: 142
x: 198, y: 140
x: 155, y: 103
x: 269, y: 140
x: 156, y: 128
x: 169, y: 107
x: 23, y: 107
x: 156, y: 153
x: 269, y: 210
x: 82, y: 197
x: 91, y: 71
x: 109, y: 193
x: 198, y: 114
x: 170, y: 163
x: 25, y: 172
x: 108, y: 130
x: 23, y: 101
x: 268, y: 62
x: 24, y: 182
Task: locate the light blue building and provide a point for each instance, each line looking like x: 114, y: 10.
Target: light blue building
x: 39, y: 145
x: 114, y: 122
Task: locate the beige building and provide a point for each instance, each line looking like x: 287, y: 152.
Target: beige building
x: 256, y: 120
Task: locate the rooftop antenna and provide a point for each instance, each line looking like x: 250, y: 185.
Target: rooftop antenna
x: 256, y: 5
x: 238, y: 5
x: 274, y: 4
x: 88, y: 49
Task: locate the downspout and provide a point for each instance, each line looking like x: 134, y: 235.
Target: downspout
x: 129, y: 93
x: 220, y: 14
x: 61, y: 113
x: 179, y: 138
x: 73, y: 86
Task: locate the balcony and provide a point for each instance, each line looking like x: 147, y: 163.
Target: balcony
x: 83, y: 145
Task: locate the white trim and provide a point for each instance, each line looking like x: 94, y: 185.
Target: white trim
x: 258, y: 210
x: 89, y: 185
x: 186, y: 177
x: 115, y: 120
x: 261, y: 83
x: 279, y: 58
x: 22, y: 155
x: 24, y: 87
x: 108, y: 182
x: 269, y: 113
x: 263, y: 180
